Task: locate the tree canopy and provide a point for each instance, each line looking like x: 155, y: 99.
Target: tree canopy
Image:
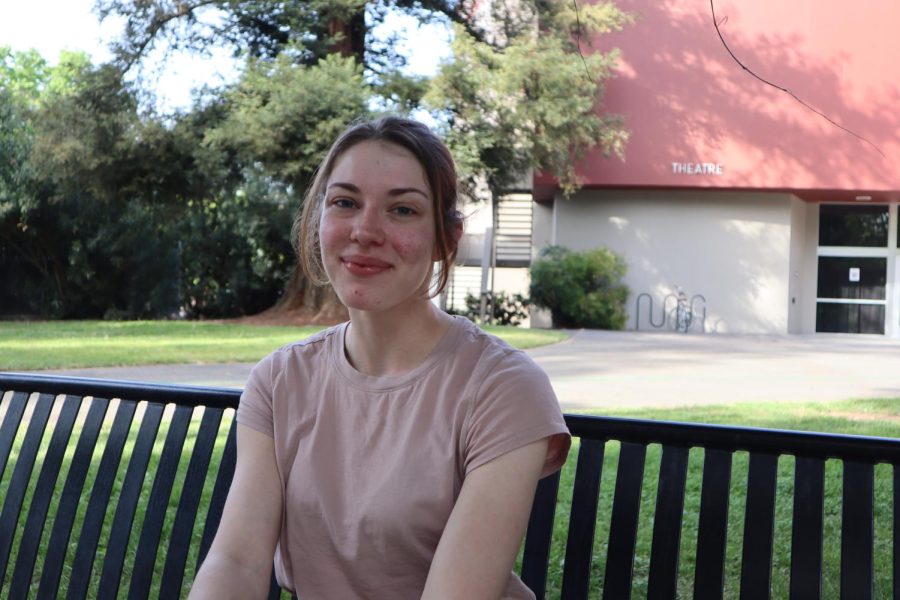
x: 108, y: 209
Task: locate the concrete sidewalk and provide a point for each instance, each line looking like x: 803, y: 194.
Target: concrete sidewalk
x: 601, y: 369
x: 597, y: 369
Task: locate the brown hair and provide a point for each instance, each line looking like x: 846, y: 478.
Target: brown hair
x: 440, y: 173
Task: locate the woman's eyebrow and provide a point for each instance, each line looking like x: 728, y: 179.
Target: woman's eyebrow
x: 392, y: 192
x: 406, y: 190
x: 346, y: 186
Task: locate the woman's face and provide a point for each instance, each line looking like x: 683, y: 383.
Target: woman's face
x: 377, y: 228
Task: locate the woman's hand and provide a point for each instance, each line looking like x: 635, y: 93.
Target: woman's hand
x: 479, y: 545
x: 239, y: 563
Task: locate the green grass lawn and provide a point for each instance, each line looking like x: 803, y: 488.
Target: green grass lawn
x: 866, y: 417
x: 76, y: 344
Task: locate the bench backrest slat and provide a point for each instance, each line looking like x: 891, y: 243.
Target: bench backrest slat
x: 220, y: 492
x: 158, y: 503
x: 623, y: 527
x: 18, y: 485
x: 89, y: 535
x: 663, y: 575
x: 180, y: 542
x: 896, y: 536
x: 43, y: 494
x: 709, y: 570
x: 536, y: 554
x: 71, y: 499
x: 580, y: 540
x: 11, y: 421
x: 807, y: 530
x: 110, y: 576
x: 759, y: 525
x: 857, y: 531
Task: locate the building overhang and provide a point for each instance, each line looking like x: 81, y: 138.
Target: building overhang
x: 546, y: 189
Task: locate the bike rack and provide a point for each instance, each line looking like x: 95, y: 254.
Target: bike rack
x: 702, y: 298
x: 684, y: 311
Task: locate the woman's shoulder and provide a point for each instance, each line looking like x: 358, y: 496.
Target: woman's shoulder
x: 306, y: 352
x: 317, y: 342
x: 492, y: 351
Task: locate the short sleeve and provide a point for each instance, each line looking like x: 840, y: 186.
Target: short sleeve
x: 515, y: 405
x: 255, y: 408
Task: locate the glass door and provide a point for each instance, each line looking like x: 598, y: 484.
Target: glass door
x: 853, y: 257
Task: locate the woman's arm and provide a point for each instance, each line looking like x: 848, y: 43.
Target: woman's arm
x: 479, y: 545
x: 239, y: 563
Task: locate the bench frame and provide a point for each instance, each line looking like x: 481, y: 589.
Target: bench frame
x: 38, y: 397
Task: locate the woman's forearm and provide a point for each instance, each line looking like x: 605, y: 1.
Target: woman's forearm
x: 222, y: 578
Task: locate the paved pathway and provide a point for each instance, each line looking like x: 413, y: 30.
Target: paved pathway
x: 597, y: 369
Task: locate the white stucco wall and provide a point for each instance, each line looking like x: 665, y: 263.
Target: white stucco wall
x: 804, y: 266
x: 734, y: 248
x: 541, y: 227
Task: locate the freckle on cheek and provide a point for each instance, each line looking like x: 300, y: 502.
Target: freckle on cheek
x: 409, y: 246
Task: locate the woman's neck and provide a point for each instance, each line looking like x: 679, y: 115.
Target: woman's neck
x: 396, y: 342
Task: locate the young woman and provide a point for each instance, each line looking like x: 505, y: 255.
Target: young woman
x: 395, y: 455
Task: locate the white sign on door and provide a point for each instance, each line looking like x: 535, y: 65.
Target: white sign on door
x: 854, y: 273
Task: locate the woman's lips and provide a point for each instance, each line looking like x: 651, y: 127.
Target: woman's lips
x: 364, y: 265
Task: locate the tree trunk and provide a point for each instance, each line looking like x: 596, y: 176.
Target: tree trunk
x: 353, y: 32
x: 304, y: 303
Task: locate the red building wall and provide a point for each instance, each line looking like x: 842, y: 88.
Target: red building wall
x: 687, y: 102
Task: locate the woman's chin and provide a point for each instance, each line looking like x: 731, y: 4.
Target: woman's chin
x: 356, y: 300
x: 372, y: 304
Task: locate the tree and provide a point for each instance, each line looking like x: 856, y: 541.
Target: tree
x: 241, y: 157
x: 284, y: 115
x: 530, y: 104
x: 71, y: 236
x: 303, y: 82
x: 526, y: 98
x: 265, y: 28
x: 109, y: 211
x: 28, y: 255
x: 15, y: 145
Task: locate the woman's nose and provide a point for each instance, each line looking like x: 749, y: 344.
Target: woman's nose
x: 367, y: 228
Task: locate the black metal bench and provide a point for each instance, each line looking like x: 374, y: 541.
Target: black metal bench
x: 113, y: 488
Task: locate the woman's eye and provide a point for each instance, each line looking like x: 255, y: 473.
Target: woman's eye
x: 405, y: 211
x: 343, y: 203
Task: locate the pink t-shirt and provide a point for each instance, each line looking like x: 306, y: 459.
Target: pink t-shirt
x: 372, y: 466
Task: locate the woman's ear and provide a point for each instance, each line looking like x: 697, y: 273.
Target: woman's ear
x: 456, y: 231
x: 456, y: 234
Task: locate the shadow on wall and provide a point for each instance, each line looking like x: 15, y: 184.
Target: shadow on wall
x: 741, y: 294
x: 731, y: 248
x: 685, y: 98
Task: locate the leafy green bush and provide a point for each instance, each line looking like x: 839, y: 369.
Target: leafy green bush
x: 88, y: 259
x: 235, y: 253
x: 502, y: 308
x: 581, y: 289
